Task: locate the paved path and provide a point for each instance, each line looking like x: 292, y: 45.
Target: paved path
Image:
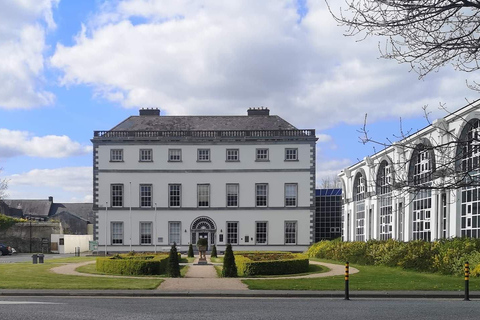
x: 203, y: 277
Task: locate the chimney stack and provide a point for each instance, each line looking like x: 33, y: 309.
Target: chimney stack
x: 50, y: 199
x: 258, y: 111
x: 150, y: 112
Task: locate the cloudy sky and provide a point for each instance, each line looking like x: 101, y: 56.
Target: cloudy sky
x: 71, y: 67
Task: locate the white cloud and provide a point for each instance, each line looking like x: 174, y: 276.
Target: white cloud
x: 212, y: 57
x: 329, y: 169
x: 323, y: 138
x: 69, y: 184
x: 16, y: 143
x: 22, y: 46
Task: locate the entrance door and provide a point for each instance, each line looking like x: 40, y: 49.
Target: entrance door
x: 203, y: 235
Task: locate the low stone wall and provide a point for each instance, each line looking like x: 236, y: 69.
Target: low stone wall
x: 18, y: 236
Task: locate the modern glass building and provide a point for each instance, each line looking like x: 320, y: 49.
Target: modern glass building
x: 328, y: 214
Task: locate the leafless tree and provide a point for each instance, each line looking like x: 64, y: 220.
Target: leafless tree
x: 3, y: 186
x: 330, y: 182
x: 427, y: 34
x: 457, y: 158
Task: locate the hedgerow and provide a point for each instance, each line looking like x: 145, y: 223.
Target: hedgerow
x: 125, y: 264
x: 446, y: 256
x: 270, y: 263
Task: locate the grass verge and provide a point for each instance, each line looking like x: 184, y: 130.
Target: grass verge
x: 26, y: 275
x: 370, y: 278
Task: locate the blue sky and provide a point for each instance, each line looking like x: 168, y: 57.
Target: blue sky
x: 72, y: 67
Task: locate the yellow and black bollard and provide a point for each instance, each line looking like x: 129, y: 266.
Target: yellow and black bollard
x: 467, y: 278
x: 347, y: 272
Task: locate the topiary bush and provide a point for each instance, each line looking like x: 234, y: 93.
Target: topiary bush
x: 173, y: 269
x: 190, y: 251
x: 260, y: 263
x: 214, y: 252
x: 229, y: 267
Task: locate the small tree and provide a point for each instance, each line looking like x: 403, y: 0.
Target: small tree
x: 173, y: 263
x: 214, y: 252
x: 190, y: 251
x: 229, y: 266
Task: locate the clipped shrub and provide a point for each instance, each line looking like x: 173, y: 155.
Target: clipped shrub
x: 214, y: 252
x: 271, y: 263
x: 173, y: 269
x: 202, y: 242
x: 190, y: 251
x: 229, y: 267
x: 133, y: 265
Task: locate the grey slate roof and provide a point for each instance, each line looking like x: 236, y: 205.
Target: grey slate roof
x: 22, y: 207
x: 197, y: 123
x: 80, y: 210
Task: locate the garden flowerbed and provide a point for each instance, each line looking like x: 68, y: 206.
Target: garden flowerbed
x: 270, y: 263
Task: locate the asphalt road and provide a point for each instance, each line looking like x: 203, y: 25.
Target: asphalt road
x: 53, y: 308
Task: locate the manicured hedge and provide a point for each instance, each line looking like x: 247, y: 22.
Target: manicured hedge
x: 445, y: 256
x: 133, y: 264
x: 270, y: 263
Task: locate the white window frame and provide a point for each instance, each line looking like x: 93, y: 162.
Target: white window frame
x: 228, y: 194
x: 228, y: 233
x: 170, y: 195
x: 174, y: 155
x: 203, y: 155
x: 291, y: 154
x: 116, y: 155
x: 262, y: 154
x: 145, y: 155
x: 203, y: 195
x: 257, y: 185
x: 232, y: 155
x: 117, y: 241
x: 171, y: 238
x: 113, y: 195
x: 295, y: 232
x: 287, y: 196
x: 257, y: 233
x: 143, y: 234
x: 146, y: 197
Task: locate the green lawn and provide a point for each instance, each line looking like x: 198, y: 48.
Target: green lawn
x: 91, y: 268
x: 26, y: 275
x: 370, y: 278
x: 217, y: 260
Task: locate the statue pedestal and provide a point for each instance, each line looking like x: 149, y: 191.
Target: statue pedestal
x: 202, y: 251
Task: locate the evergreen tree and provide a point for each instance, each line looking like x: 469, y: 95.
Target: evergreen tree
x: 190, y: 251
x: 214, y: 252
x: 229, y: 266
x: 173, y: 269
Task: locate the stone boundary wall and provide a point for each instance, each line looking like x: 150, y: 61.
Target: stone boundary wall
x: 18, y: 235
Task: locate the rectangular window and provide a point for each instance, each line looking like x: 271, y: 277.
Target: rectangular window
x: 116, y: 155
x: 261, y: 190
x: 145, y: 233
x: 203, y: 155
x: 174, y: 232
x: 290, y: 194
x: 262, y: 154
x: 117, y: 232
x: 203, y: 195
x: 145, y: 195
x: 233, y: 155
x: 291, y: 154
x: 174, y: 155
x: 232, y: 232
x: 146, y: 155
x: 232, y: 195
x: 261, y: 233
x: 290, y: 232
x: 117, y: 195
x: 174, y: 195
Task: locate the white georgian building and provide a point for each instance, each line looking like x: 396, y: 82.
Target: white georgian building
x: 245, y: 180
x: 383, y: 197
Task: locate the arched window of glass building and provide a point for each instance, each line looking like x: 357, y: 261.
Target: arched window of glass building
x: 384, y: 192
x: 359, y: 189
x: 420, y: 178
x: 469, y: 154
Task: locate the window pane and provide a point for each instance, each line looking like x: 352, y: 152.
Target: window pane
x: 290, y: 232
x: 291, y: 194
x: 262, y: 154
x: 232, y: 155
x: 145, y: 233
x: 232, y: 232
x: 261, y: 233
x: 117, y: 232
x: 146, y: 155
x: 203, y: 155
x: 174, y: 154
x: 291, y: 154
x: 117, y: 195
x: 174, y: 195
x: 261, y: 195
x: 145, y: 195
x: 174, y: 232
x: 116, y: 155
x: 203, y: 195
x: 232, y: 195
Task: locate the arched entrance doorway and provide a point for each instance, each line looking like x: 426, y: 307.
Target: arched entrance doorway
x: 203, y: 227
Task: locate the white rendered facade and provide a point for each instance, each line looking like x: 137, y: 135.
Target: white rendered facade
x: 252, y: 188
x: 377, y: 206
